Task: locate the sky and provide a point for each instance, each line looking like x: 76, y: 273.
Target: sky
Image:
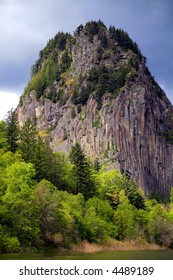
x: 27, y: 25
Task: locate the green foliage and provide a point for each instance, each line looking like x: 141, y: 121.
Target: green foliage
x: 103, y: 38
x: 118, y: 35
x: 79, y: 29
x: 168, y: 136
x: 20, y: 212
x: 160, y: 228
x: 63, y: 176
x: 47, y: 204
x: 65, y: 61
x: 38, y: 83
x: 44, y: 77
x: 47, y: 201
x: 18, y: 177
x: 82, y: 171
x: 92, y: 28
x: 73, y: 112
x: 108, y: 187
x: 71, y: 222
x: 102, y: 208
x: 49, y: 66
x: 56, y: 95
x: 58, y: 43
x: 124, y: 219
x: 97, y: 165
x: 12, y: 130
x: 27, y: 142
x: 123, y: 39
x: 158, y: 196
x: 98, y: 221
x: 60, y: 215
x: 55, y: 59
x: 52, y: 167
x: 3, y: 135
x: 117, y: 188
x: 8, y: 243
x: 133, y: 193
x: 104, y: 79
x: 171, y: 196
x: 81, y: 95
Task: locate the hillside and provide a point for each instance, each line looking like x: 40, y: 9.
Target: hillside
x: 94, y: 87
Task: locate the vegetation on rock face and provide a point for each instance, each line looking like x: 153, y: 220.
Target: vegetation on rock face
x: 104, y: 79
x: 56, y: 58
x: 54, y: 46
x: 93, y: 28
x: 52, y: 199
x: 123, y: 39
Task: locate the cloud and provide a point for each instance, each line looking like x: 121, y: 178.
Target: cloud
x: 8, y: 100
x: 26, y: 26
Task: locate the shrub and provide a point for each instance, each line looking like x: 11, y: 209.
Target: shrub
x: 8, y: 244
x: 92, y: 28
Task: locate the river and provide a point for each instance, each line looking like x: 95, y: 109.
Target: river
x: 113, y: 255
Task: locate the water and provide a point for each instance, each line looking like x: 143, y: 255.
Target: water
x: 114, y: 255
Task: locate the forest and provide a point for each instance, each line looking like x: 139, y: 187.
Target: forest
x: 57, y: 200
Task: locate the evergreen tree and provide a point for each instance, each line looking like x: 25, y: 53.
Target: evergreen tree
x: 39, y: 159
x: 28, y: 141
x: 3, y: 137
x: 37, y: 151
x: 12, y: 130
x: 82, y: 171
x: 97, y: 165
x: 132, y: 192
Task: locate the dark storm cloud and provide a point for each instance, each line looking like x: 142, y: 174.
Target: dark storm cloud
x: 26, y: 26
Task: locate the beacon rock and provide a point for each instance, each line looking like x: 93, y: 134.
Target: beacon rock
x: 99, y: 92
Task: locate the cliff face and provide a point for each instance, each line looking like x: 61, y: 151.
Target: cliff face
x: 109, y: 103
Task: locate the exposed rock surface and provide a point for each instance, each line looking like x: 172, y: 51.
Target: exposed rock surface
x: 130, y: 129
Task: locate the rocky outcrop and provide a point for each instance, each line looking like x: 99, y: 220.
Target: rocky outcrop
x: 129, y: 130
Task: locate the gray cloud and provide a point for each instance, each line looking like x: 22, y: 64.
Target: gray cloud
x: 26, y: 26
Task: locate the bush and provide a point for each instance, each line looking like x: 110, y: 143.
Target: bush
x: 124, y: 219
x: 160, y: 228
x: 92, y: 28
x: 123, y: 39
x: 97, y: 221
x: 8, y: 244
x: 65, y: 61
x: 11, y: 245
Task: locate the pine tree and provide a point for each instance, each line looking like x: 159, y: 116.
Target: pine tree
x: 36, y: 151
x: 82, y: 171
x: 3, y: 135
x: 28, y: 141
x: 97, y: 165
x: 12, y: 130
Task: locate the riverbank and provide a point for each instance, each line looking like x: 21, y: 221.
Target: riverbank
x: 115, y: 245
x: 114, y: 250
